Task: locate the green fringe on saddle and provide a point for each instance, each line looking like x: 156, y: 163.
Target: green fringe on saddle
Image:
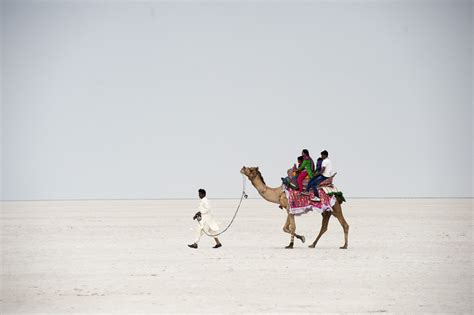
x: 339, y: 196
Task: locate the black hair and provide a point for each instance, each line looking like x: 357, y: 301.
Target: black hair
x: 300, y: 158
x: 202, y: 192
x: 305, y: 151
x: 325, y: 153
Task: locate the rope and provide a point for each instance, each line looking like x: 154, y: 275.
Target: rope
x: 244, y: 195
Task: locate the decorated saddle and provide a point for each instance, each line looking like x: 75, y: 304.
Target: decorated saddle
x: 301, y: 203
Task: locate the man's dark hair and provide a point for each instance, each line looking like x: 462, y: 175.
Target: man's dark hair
x: 202, y: 192
x: 300, y: 158
x: 325, y: 153
x: 305, y: 151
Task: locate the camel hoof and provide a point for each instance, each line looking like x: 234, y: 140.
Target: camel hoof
x: 289, y: 246
x: 343, y: 247
x: 312, y: 246
x: 302, y: 238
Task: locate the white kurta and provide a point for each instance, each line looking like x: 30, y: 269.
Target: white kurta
x: 207, y: 223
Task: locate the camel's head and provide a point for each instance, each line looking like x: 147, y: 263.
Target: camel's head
x: 251, y: 172
x: 248, y: 171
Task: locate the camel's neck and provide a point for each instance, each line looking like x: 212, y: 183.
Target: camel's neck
x: 268, y: 193
x: 259, y: 185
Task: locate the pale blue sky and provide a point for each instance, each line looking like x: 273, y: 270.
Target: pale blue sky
x: 111, y: 100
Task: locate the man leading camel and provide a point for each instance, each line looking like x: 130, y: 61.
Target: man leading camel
x: 206, y: 222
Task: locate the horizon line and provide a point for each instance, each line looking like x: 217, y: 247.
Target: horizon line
x: 217, y: 198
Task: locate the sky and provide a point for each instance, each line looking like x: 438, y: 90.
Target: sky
x: 156, y: 99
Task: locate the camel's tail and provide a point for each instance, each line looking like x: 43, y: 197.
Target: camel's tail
x: 339, y: 196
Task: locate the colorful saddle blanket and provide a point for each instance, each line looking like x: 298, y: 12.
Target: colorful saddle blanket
x: 300, y: 204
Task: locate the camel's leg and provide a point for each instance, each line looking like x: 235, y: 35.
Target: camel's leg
x: 324, y: 227
x: 286, y: 227
x: 292, y: 227
x: 290, y: 222
x: 337, y: 212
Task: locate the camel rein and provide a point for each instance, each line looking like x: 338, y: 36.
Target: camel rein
x: 244, y: 195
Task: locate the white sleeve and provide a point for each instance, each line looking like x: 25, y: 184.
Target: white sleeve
x: 203, y: 206
x: 325, y: 163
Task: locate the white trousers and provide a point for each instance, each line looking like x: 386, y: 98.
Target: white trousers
x: 200, y: 232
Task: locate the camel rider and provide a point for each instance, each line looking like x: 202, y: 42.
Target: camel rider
x: 292, y: 177
x: 305, y: 152
x: 206, y: 222
x: 306, y: 168
x: 321, y: 175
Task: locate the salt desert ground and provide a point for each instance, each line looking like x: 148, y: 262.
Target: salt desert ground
x: 411, y: 256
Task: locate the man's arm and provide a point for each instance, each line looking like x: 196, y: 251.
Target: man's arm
x: 323, y: 167
x: 320, y: 171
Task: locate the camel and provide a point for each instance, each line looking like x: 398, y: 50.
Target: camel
x: 277, y: 195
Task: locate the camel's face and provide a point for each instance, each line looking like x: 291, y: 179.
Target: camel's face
x: 250, y: 172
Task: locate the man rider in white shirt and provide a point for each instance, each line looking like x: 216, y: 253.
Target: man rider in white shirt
x: 324, y: 173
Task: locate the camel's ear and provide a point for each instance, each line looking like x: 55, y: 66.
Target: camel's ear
x: 256, y: 168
